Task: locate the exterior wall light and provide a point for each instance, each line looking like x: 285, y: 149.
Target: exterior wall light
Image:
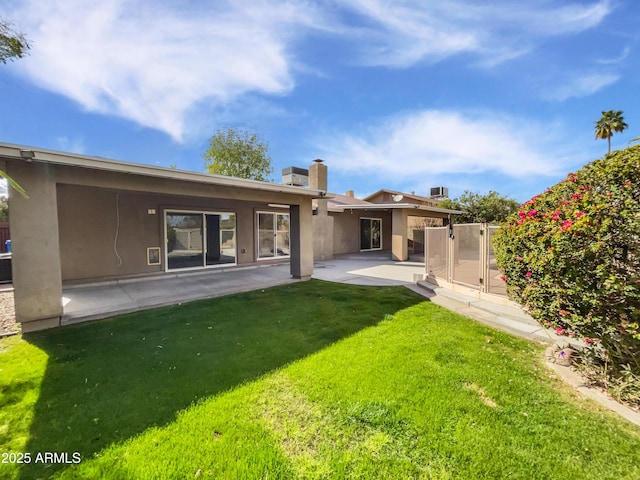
x: 27, y: 155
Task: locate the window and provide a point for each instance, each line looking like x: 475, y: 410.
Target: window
x: 370, y: 234
x: 200, y: 239
x: 273, y: 235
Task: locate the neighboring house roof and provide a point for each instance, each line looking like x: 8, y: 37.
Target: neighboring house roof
x: 398, y: 206
x: 338, y: 201
x: 33, y: 154
x: 407, y: 197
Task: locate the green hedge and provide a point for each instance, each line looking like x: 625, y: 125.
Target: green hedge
x: 571, y: 257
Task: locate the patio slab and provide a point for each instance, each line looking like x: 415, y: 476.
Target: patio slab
x: 367, y: 270
x: 94, y: 301
x: 91, y: 302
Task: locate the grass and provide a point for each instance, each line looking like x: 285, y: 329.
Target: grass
x: 310, y: 380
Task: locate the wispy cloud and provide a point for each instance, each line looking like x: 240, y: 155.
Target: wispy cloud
x: 73, y: 145
x: 408, y: 31
x: 580, y: 86
x: 149, y: 63
x: 614, y: 60
x: 156, y: 62
x: 432, y: 142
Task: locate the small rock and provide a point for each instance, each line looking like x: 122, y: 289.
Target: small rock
x: 550, y: 352
x: 564, y: 357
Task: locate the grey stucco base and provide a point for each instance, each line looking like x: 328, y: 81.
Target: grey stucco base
x: 42, y: 324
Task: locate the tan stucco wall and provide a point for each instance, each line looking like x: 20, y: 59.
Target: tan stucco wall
x: 67, y: 228
x: 323, y: 237
x: 301, y: 240
x: 399, y: 244
x: 145, y: 184
x: 34, y: 243
x: 346, y: 230
x: 88, y: 222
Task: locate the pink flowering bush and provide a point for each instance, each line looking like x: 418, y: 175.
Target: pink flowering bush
x: 571, y: 257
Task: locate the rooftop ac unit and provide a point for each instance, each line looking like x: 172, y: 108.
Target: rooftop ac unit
x: 439, y: 192
x: 295, y: 176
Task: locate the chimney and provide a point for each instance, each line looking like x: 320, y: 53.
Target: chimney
x: 318, y: 181
x: 318, y: 175
x: 349, y: 193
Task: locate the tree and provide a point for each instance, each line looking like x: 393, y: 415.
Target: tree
x: 238, y: 153
x: 4, y: 209
x: 478, y: 208
x: 12, y: 44
x: 571, y: 257
x: 609, y: 123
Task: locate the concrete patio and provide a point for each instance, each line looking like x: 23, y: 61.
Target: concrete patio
x: 94, y: 301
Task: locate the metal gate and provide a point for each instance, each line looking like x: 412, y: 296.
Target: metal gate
x: 463, y: 255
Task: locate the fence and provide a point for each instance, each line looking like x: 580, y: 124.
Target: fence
x: 4, y: 236
x: 463, y: 255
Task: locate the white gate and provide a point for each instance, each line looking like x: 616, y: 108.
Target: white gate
x: 463, y: 255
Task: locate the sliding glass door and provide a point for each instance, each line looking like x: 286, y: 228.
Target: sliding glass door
x: 370, y: 234
x: 273, y: 235
x: 200, y: 239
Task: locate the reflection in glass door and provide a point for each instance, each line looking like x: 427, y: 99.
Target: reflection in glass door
x: 273, y: 235
x: 199, y: 239
x: 370, y: 234
x: 221, y: 238
x: 184, y: 240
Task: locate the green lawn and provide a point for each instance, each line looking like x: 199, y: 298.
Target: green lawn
x: 309, y: 380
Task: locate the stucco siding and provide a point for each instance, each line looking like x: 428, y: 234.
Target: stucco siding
x: 347, y: 230
x: 88, y: 220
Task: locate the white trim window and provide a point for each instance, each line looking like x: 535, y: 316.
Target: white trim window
x: 370, y: 234
x: 273, y: 235
x: 199, y: 239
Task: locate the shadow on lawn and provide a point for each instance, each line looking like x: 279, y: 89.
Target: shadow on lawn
x: 108, y: 381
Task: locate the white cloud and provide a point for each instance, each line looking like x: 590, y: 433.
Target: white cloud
x: 148, y: 63
x: 157, y: 63
x: 73, y: 145
x: 614, y: 60
x: 581, y: 86
x: 431, y: 142
x: 408, y: 31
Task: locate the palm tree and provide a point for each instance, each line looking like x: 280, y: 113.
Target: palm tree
x: 609, y: 123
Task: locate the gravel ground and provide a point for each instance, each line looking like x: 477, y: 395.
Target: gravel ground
x: 8, y: 323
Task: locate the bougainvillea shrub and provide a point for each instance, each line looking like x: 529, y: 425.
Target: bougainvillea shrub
x: 571, y: 257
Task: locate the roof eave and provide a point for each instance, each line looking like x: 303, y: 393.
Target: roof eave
x: 10, y: 151
x: 408, y: 206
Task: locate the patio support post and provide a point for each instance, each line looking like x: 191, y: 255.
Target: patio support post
x: 399, y: 242
x: 323, y: 224
x: 301, y: 241
x: 37, y: 277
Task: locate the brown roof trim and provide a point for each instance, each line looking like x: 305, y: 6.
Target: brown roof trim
x: 400, y: 206
x: 35, y: 154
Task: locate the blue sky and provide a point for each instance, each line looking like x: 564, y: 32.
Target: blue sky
x: 404, y: 95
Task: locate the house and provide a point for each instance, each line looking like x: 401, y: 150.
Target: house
x: 90, y: 219
x: 385, y: 220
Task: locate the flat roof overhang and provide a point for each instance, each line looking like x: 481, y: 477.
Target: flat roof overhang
x: 33, y: 154
x: 397, y: 206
